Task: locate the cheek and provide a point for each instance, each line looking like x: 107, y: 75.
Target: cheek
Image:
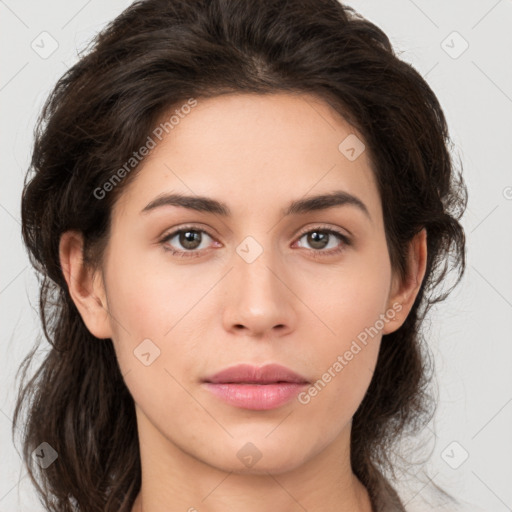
x: 350, y: 299
x: 148, y: 321
x: 351, y: 307
x: 153, y: 309
x: 144, y: 295
x: 138, y: 309
x: 344, y: 362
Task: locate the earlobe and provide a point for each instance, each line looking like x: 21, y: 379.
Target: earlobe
x: 85, y: 285
x: 405, y: 291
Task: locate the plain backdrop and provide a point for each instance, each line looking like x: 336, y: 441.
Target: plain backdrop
x: 463, y: 49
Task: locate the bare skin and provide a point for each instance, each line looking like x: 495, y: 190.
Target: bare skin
x: 206, y: 312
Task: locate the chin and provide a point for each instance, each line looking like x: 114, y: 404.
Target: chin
x: 257, y: 458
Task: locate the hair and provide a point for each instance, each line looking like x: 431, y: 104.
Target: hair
x: 150, y: 59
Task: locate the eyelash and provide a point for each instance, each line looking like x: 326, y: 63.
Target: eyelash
x: 316, y: 253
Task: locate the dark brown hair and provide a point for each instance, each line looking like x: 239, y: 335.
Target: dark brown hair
x: 151, y: 58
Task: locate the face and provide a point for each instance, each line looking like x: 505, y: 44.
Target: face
x: 192, y: 292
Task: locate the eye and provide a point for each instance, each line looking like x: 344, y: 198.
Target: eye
x: 325, y: 241
x: 190, y: 239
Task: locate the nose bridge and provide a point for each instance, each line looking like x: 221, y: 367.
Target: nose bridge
x: 258, y: 299
x: 257, y: 263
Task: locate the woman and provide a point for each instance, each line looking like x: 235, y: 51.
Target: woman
x: 242, y: 212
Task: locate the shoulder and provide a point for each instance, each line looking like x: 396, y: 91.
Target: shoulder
x: 428, y: 504
x: 429, y: 498
x: 461, y: 506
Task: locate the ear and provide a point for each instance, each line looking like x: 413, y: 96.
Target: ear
x: 404, y: 291
x: 85, y: 285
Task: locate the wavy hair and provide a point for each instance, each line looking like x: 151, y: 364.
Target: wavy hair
x: 151, y: 58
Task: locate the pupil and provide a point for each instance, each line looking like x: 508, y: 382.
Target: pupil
x: 189, y: 238
x: 318, y: 239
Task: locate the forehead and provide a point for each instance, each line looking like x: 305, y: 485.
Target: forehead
x: 251, y: 150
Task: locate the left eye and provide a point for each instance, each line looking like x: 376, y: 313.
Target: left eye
x: 319, y: 239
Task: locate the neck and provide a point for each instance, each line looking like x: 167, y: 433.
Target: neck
x: 257, y: 495
x: 173, y: 480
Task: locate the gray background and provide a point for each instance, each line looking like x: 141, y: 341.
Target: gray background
x: 469, y: 333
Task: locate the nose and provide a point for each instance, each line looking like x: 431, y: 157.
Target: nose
x: 259, y: 298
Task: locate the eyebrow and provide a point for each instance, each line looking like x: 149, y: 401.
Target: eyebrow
x: 299, y: 206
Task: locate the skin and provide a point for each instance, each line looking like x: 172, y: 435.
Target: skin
x: 256, y: 154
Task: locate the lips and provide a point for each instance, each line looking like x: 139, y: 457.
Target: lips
x: 257, y: 388
x: 248, y: 374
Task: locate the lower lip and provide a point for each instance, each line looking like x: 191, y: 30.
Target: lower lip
x: 258, y: 397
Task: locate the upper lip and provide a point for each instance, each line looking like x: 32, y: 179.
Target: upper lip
x: 249, y: 374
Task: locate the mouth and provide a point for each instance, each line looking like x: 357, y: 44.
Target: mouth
x: 249, y: 374
x: 256, y: 388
